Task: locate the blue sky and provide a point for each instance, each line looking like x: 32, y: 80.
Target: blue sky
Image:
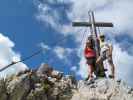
x: 19, y: 23
x: 29, y: 23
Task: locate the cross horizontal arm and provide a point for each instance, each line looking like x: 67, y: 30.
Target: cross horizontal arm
x: 87, y: 24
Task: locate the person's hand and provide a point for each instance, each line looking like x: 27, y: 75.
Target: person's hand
x: 98, y: 60
x: 86, y: 56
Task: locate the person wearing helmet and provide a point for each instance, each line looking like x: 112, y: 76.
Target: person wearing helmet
x: 90, y: 56
x: 106, y: 54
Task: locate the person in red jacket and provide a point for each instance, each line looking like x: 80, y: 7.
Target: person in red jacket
x: 90, y: 56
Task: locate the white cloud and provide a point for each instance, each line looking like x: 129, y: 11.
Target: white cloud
x: 44, y: 46
x: 83, y: 68
x: 61, y: 52
x: 7, y: 55
x: 119, y: 12
x: 123, y: 62
x: 74, y: 68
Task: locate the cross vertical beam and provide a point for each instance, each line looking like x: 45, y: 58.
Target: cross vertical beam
x: 94, y: 33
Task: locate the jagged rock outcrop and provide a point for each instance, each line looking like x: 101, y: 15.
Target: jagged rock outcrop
x: 49, y: 84
x: 103, y: 89
x: 43, y: 84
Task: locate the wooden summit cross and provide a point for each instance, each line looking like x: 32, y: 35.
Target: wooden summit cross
x: 92, y: 24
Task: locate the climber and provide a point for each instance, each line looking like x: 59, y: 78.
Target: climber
x: 90, y: 56
x: 106, y: 54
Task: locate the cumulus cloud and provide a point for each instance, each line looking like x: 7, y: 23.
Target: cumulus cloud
x: 62, y: 52
x: 7, y: 55
x: 118, y: 12
x: 123, y: 62
x: 44, y: 47
x: 74, y: 68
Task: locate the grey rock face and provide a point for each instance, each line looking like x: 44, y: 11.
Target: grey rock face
x: 19, y: 88
x: 103, y: 89
x: 56, y: 86
x: 31, y: 86
x: 43, y: 69
x: 3, y: 90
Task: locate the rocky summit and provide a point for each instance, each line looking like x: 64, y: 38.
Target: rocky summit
x: 46, y: 83
x: 103, y: 89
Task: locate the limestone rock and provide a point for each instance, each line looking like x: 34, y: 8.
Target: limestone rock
x: 43, y: 69
x: 40, y: 85
x: 102, y: 89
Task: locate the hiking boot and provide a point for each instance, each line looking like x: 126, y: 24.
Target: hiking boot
x: 86, y: 79
x: 90, y: 81
x: 111, y: 76
x: 105, y: 70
